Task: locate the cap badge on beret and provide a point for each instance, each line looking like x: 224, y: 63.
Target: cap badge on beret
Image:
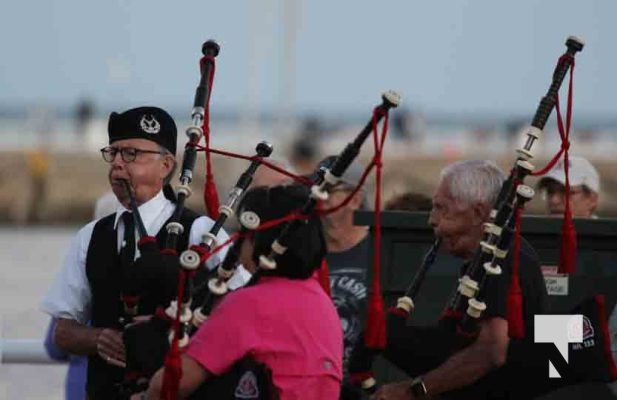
x: 149, y: 124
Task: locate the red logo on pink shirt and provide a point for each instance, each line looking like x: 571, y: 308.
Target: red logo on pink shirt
x: 247, y: 387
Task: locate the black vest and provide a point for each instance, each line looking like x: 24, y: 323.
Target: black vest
x: 103, y: 269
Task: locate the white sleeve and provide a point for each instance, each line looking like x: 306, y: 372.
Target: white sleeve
x: 69, y: 295
x: 202, y: 225
x: 240, y: 278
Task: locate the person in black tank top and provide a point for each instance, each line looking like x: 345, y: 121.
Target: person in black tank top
x: 141, y: 151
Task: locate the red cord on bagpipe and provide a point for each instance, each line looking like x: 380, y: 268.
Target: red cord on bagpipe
x: 375, y: 328
x: 211, y: 199
x: 514, y: 305
x: 173, y: 363
x: 407, y: 344
x: 197, y: 255
x: 567, y: 259
x: 567, y: 255
x: 375, y: 323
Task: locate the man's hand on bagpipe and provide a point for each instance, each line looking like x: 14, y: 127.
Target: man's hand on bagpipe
x: 110, y: 347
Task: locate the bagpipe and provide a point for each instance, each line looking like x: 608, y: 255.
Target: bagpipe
x: 168, y: 284
x: 217, y: 286
x: 289, y: 238
x: 419, y: 349
x: 147, y: 344
x: 157, y: 342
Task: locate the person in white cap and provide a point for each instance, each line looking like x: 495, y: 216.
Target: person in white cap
x: 584, y: 188
x: 584, y: 196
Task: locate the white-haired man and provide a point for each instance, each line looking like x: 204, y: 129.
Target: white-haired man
x: 461, y: 205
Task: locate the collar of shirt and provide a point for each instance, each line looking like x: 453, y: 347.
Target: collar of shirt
x: 153, y: 213
x: 148, y: 211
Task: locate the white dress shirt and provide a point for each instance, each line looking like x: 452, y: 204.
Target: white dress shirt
x: 70, y: 296
x: 240, y: 278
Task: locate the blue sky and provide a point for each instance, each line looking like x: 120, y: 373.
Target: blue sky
x: 480, y: 56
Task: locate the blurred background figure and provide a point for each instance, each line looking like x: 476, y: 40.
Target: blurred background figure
x: 584, y: 188
x: 84, y: 112
x: 513, y: 128
x: 306, y: 147
x: 42, y: 121
x: 37, y: 161
x: 407, y: 124
x: 266, y: 176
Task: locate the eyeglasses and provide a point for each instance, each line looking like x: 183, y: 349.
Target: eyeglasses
x: 129, y: 154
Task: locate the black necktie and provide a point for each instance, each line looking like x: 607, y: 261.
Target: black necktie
x: 127, y: 250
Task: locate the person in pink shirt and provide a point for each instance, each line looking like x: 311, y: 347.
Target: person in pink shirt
x: 282, y: 319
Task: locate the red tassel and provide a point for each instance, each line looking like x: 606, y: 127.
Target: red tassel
x: 173, y: 373
x: 210, y: 194
x: 359, y: 377
x: 567, y: 256
x: 173, y: 364
x: 399, y: 312
x: 516, y: 328
x: 211, y: 198
x: 375, y: 331
x: 324, y: 277
x: 516, y: 325
x: 375, y: 336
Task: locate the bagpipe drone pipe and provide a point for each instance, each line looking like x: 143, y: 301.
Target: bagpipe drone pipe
x: 290, y: 230
x: 417, y: 349
x: 170, y: 272
x: 147, y: 343
x: 163, y: 278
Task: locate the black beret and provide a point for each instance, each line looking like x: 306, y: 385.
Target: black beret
x: 150, y: 123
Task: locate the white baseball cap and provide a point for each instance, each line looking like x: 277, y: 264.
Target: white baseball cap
x: 581, y: 172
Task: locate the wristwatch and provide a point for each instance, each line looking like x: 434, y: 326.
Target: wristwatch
x: 418, y: 390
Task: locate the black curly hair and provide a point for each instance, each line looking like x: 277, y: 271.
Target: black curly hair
x: 307, y: 246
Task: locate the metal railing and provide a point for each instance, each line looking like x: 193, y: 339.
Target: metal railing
x: 25, y: 351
